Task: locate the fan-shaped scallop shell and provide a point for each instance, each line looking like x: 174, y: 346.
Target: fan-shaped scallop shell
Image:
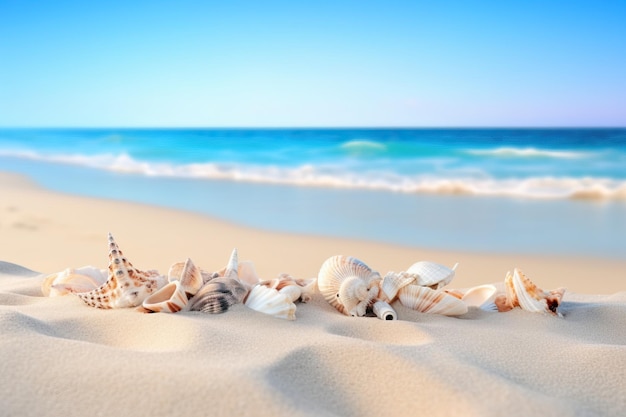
x: 432, y: 274
x: 394, y: 282
x: 126, y: 286
x: 73, y: 280
x: 427, y: 300
x: 271, y: 301
x: 348, y: 284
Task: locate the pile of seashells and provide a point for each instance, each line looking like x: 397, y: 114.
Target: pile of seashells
x: 347, y: 283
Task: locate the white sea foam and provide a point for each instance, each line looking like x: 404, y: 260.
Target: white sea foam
x: 589, y: 188
x: 510, y: 152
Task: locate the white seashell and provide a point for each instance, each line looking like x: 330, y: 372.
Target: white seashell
x: 384, y: 311
x: 270, y: 301
x: 427, y: 300
x: 480, y: 296
x: 189, y: 276
x: 232, y: 266
x: 295, y: 289
x: 348, y: 284
x: 126, y: 285
x: 523, y: 292
x: 431, y: 274
x: 394, y: 282
x: 170, y: 299
x: 73, y: 280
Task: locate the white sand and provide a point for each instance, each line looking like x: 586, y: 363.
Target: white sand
x: 62, y: 358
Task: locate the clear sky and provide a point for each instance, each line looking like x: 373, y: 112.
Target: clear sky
x: 312, y: 63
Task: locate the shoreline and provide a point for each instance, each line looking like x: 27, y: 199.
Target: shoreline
x: 48, y: 231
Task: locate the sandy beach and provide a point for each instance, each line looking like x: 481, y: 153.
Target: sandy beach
x: 61, y: 357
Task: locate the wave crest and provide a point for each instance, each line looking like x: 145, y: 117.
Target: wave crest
x: 510, y: 152
x: 588, y: 188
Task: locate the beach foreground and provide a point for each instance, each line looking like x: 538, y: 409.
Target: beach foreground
x: 61, y: 357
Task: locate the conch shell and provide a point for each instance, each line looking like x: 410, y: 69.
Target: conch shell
x: 220, y: 293
x: 348, y: 284
x: 73, y: 280
x: 126, y: 286
x: 522, y: 292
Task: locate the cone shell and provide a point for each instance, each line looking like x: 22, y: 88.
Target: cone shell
x: 427, y: 300
x: 431, y: 274
x: 73, y: 280
x: 218, y: 295
x: 348, y: 284
x: 126, y: 286
x: 270, y: 301
x: 188, y: 275
x: 170, y: 299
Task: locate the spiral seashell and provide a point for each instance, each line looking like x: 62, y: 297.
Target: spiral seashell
x: 272, y: 302
x: 348, y: 284
x: 189, y: 276
x: 73, y: 280
x: 427, y: 300
x: 218, y: 295
x: 170, y: 299
x: 431, y: 274
x: 126, y: 286
x: 384, y: 311
x: 522, y: 292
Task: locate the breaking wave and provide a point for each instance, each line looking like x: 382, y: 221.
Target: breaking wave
x: 509, y: 152
x: 544, y: 187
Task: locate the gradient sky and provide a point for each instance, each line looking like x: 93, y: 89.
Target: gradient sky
x: 317, y: 63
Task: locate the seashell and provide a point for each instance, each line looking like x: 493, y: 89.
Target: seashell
x: 431, y: 274
x: 170, y: 299
x: 218, y: 295
x: 189, y: 276
x: 427, y: 300
x: 522, y: 292
x: 348, y: 284
x: 384, y: 311
x: 271, y: 301
x: 479, y: 296
x: 394, y: 282
x: 73, y: 280
x: 126, y: 286
x: 295, y: 289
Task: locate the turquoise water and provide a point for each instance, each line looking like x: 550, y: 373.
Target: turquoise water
x: 557, y: 191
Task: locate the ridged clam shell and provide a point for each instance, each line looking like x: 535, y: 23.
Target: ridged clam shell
x: 394, y: 282
x: 348, y: 284
x: 189, y: 276
x: 384, y: 311
x: 432, y: 274
x: 522, y: 292
x: 170, y: 299
x: 218, y: 295
x: 427, y: 300
x: 126, y: 286
x: 73, y: 280
x: 270, y: 301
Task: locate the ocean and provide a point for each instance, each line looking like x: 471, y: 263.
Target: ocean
x: 555, y: 191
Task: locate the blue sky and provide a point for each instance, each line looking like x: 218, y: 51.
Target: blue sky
x: 318, y: 63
